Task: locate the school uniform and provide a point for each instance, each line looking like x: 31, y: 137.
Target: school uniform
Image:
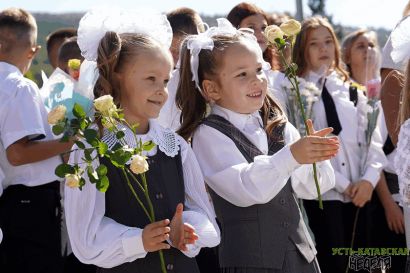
x: 382, y: 236
x: 106, y: 229
x: 30, y: 203
x: 346, y: 113
x: 262, y: 228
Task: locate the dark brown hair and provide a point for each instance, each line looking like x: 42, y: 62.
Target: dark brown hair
x: 300, y: 48
x: 185, y: 21
x: 190, y: 100
x: 58, y: 36
x: 18, y: 29
x: 68, y: 50
x: 244, y: 10
x: 114, y: 52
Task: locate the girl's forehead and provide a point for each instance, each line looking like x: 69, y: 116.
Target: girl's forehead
x: 320, y: 32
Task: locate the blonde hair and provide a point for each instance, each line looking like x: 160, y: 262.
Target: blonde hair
x: 300, y: 48
x: 18, y: 29
x: 114, y: 52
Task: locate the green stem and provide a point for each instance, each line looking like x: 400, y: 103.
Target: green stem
x: 162, y: 260
x: 136, y: 197
x: 146, y: 192
x: 135, y: 179
x: 294, y: 82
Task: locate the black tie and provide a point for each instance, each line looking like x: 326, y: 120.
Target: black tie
x: 330, y: 109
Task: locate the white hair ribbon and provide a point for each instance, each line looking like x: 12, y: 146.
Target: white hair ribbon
x: 204, y: 40
x: 400, y: 40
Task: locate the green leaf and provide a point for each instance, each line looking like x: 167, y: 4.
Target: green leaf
x: 64, y: 169
x: 80, y: 144
x: 83, y: 124
x: 102, y: 148
x: 78, y: 111
x: 117, y: 146
x: 148, y: 145
x: 102, y: 170
x: 90, y: 135
x: 58, y: 129
x: 92, y: 175
x: 103, y: 184
x: 65, y: 138
x: 82, y: 183
x: 87, y: 154
x: 120, y: 135
x: 120, y: 157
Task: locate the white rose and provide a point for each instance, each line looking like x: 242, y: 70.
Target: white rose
x: 272, y: 32
x: 139, y: 164
x: 72, y: 180
x: 104, y: 104
x: 109, y: 123
x: 57, y: 114
x: 290, y: 27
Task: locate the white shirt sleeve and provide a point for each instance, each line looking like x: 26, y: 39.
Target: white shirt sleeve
x: 96, y: 239
x: 22, y: 117
x: 244, y: 184
x: 303, y: 182
x: 376, y: 159
x: 198, y: 210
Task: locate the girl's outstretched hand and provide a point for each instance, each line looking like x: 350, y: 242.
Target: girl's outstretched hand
x: 315, y: 147
x: 181, y: 233
x: 154, y: 235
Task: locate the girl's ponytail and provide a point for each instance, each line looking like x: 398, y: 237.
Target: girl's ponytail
x: 188, y: 98
x: 107, y: 60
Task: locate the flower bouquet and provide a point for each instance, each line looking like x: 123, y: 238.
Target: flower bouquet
x: 130, y: 160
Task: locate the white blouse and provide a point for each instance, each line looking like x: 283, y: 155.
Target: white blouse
x: 351, y: 163
x: 244, y: 184
x: 99, y: 240
x: 402, y: 162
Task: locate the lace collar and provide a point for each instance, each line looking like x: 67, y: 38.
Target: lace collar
x: 165, y: 139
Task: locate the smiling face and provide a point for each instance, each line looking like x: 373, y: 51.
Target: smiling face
x: 142, y: 83
x: 240, y: 84
x: 320, y: 49
x: 258, y: 23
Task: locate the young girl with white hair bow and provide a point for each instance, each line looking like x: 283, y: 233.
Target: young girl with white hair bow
x: 131, y: 54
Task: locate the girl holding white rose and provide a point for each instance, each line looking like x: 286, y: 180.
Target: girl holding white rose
x: 111, y: 229
x: 358, y: 164
x: 248, y: 152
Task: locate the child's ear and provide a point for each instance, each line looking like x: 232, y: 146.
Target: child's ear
x: 33, y: 51
x: 211, y: 90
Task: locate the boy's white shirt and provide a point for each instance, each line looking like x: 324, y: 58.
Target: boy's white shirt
x: 101, y: 241
x: 243, y: 184
x: 22, y: 114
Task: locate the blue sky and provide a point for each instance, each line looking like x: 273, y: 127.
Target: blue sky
x: 361, y: 13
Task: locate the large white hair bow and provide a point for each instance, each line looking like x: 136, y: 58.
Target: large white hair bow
x: 400, y: 39
x: 97, y: 22
x: 204, y: 40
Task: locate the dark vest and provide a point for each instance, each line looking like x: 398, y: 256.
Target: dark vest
x: 166, y: 190
x: 258, y: 236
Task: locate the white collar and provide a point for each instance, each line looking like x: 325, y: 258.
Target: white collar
x: 237, y: 119
x: 10, y: 68
x: 165, y: 139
